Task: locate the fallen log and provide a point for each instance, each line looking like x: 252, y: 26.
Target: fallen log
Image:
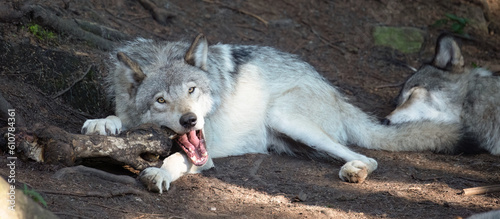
x: 139, y: 148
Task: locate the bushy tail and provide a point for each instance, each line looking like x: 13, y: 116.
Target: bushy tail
x: 414, y: 136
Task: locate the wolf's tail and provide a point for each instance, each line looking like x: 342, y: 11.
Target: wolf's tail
x: 414, y: 136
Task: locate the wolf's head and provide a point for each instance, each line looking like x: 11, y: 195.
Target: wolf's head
x: 166, y: 84
x: 434, y: 91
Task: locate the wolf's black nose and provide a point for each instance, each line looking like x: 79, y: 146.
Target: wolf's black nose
x: 385, y: 121
x: 188, y: 120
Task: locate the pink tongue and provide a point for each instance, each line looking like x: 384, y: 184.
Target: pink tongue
x: 192, y: 138
x: 194, y: 146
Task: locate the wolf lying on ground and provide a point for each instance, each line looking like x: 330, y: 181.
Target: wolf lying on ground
x: 224, y: 100
x: 446, y: 91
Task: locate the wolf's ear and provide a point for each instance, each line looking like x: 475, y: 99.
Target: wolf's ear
x: 197, y: 52
x: 137, y: 75
x: 448, y: 55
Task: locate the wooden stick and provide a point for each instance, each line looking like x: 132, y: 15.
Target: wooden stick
x: 481, y: 190
x: 266, y: 23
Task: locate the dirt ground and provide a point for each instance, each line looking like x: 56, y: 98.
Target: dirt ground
x: 334, y: 36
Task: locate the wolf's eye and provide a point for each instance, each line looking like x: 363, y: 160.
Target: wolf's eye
x: 160, y: 100
x: 191, y: 90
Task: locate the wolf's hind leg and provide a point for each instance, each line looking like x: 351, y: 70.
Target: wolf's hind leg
x: 111, y: 125
x: 302, y: 129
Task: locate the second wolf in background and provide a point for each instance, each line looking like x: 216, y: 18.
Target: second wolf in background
x: 446, y: 91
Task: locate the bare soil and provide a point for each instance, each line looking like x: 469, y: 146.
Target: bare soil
x: 58, y: 81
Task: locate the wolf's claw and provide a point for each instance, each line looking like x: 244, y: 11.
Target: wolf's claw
x: 155, y: 179
x: 354, y: 171
x: 111, y: 125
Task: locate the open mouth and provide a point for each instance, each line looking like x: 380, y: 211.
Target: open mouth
x: 193, y: 143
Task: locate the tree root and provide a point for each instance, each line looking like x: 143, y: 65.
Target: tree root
x: 159, y: 14
x: 83, y: 170
x: 62, y: 25
x: 110, y: 194
x: 100, y: 36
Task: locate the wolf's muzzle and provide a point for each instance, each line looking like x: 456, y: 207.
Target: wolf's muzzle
x: 188, y: 120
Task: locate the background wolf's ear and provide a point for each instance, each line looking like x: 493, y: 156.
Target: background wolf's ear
x: 448, y: 55
x: 136, y: 76
x: 197, y: 52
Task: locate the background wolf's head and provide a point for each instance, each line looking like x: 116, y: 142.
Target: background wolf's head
x: 436, y: 91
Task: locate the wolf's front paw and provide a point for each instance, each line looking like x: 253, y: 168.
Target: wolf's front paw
x: 111, y: 125
x: 155, y: 179
x: 354, y: 171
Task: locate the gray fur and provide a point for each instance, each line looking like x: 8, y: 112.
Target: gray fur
x: 248, y: 99
x: 469, y: 98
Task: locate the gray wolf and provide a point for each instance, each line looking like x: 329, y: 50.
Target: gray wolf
x: 224, y: 100
x: 446, y: 91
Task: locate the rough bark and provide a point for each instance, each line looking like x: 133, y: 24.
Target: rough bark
x: 140, y: 148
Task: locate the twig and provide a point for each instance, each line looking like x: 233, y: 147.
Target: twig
x: 390, y: 85
x: 125, y: 22
x: 78, y: 114
x: 115, y: 209
x: 159, y: 14
x: 71, y: 215
x: 250, y: 27
x: 109, y: 194
x: 481, y: 190
x: 72, y: 84
x: 425, y: 179
x: 471, y: 179
x: 125, y: 211
x: 266, y: 23
x: 299, y: 46
x: 376, y: 76
x: 325, y: 40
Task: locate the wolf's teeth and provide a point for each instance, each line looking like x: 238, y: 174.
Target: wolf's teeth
x: 173, y: 136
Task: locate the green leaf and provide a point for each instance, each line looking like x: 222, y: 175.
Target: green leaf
x: 440, y: 23
x: 463, y: 21
x: 457, y: 28
x: 452, y: 17
x: 34, y: 195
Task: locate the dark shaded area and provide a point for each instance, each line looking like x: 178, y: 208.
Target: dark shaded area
x: 59, y: 81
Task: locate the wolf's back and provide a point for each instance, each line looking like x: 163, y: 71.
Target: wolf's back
x: 482, y: 113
